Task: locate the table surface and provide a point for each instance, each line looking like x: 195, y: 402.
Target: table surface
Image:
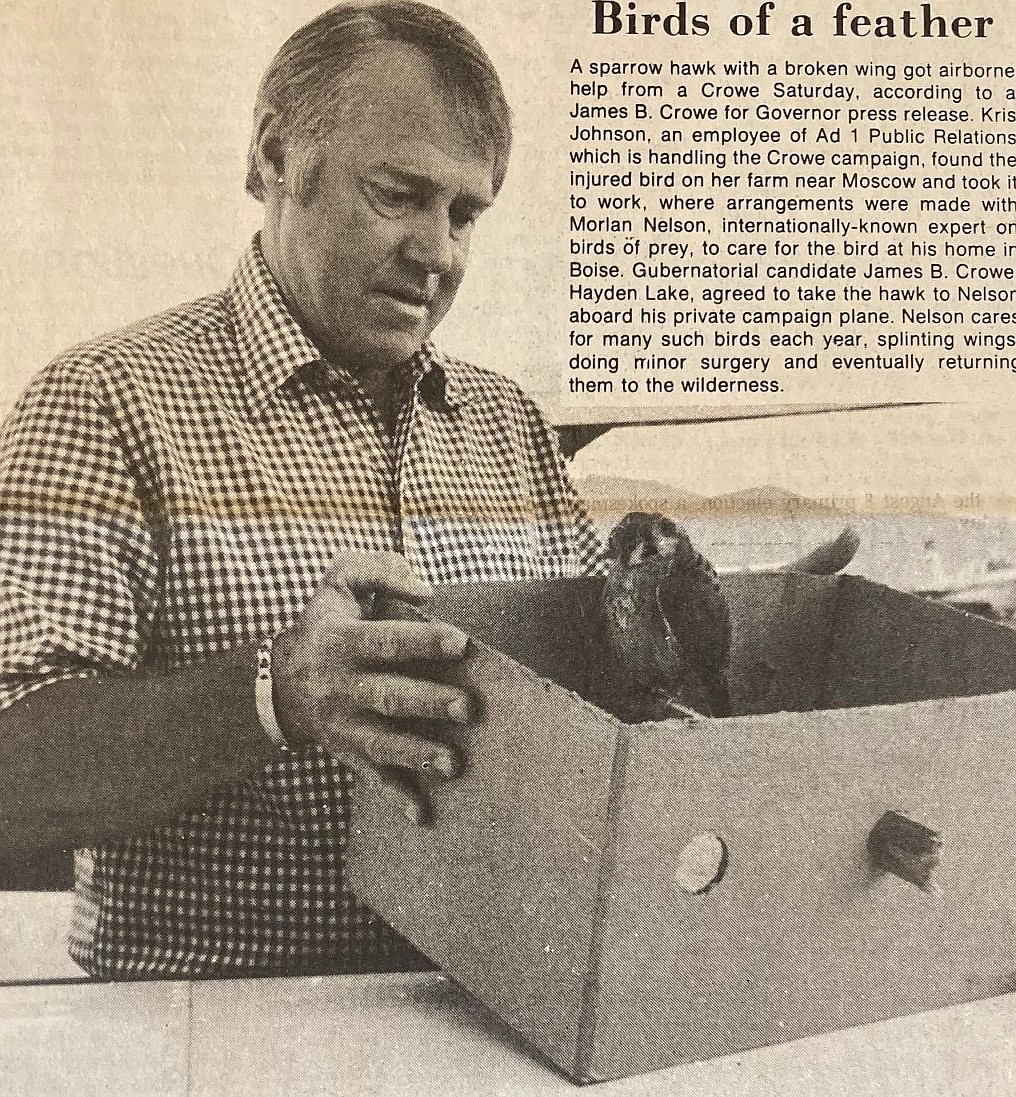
x: 416, y: 1035
x: 420, y: 1035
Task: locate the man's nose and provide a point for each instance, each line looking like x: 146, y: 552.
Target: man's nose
x: 429, y: 241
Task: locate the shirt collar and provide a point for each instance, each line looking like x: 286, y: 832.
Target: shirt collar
x: 273, y: 346
x: 438, y: 379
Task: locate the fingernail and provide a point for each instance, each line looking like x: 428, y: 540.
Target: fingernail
x: 423, y: 586
x: 412, y: 812
x: 442, y: 764
x: 454, y: 643
x: 459, y: 710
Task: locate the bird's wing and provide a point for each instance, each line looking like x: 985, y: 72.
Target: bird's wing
x: 669, y: 638
x: 697, y: 615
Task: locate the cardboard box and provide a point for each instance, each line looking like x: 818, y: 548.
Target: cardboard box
x: 557, y: 884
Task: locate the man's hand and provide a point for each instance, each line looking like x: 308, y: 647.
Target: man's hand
x: 340, y: 678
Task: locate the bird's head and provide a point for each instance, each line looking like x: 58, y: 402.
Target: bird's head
x: 638, y: 536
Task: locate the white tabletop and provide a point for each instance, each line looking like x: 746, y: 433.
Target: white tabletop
x: 418, y: 1035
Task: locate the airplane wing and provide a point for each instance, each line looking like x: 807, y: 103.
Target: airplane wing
x: 578, y: 426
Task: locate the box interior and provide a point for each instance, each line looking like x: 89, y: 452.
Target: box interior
x: 800, y: 642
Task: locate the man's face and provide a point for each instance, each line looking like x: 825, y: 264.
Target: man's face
x: 371, y: 262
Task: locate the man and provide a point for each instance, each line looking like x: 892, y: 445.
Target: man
x: 201, y: 512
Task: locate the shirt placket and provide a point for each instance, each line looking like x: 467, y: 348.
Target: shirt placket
x: 403, y: 430
x: 390, y: 450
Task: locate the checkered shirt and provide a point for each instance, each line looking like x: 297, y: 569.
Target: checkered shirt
x: 179, y: 488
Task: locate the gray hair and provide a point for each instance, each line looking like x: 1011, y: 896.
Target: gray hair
x: 304, y: 85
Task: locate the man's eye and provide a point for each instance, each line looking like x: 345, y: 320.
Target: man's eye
x: 462, y: 218
x: 392, y: 200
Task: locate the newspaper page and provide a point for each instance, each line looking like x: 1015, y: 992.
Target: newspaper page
x: 755, y: 261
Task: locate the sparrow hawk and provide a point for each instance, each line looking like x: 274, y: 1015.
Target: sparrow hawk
x: 667, y: 623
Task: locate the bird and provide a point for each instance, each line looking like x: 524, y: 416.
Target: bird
x: 666, y: 623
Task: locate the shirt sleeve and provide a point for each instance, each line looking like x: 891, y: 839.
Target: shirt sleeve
x: 78, y: 565
x: 568, y: 533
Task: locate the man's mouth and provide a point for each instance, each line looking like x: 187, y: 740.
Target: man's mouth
x: 407, y: 295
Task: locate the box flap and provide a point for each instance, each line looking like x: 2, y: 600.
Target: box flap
x: 889, y: 647
x: 782, y: 624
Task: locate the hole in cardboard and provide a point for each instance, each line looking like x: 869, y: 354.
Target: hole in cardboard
x: 701, y: 863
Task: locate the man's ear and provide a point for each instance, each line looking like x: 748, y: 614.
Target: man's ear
x: 294, y: 169
x: 266, y: 159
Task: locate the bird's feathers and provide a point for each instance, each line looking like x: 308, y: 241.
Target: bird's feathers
x: 667, y: 622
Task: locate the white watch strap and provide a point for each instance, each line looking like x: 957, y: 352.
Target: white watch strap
x: 264, y: 699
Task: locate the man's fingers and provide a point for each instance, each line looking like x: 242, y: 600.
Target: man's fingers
x: 400, y: 698
x: 414, y: 801
x: 377, y: 572
x: 386, y: 749
x: 339, y: 678
x: 391, y: 642
x: 377, y: 746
